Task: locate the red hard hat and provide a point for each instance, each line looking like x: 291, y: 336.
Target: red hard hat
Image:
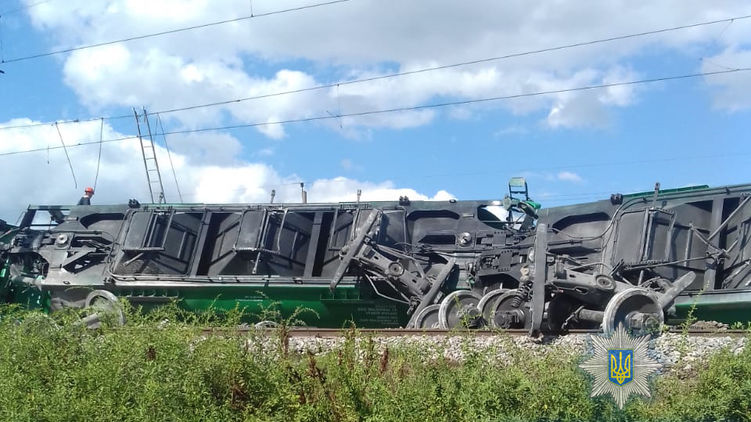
x: 89, y: 190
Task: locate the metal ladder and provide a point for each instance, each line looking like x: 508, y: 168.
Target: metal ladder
x: 150, y: 163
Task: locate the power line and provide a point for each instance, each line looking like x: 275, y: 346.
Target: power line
x: 454, y: 174
x: 169, y: 155
x: 70, y: 164
x: 61, y: 122
x: 99, y: 158
x: 409, y: 108
x: 78, y: 144
x: 399, y: 74
x: 171, y: 31
x: 464, y: 102
x: 461, y: 64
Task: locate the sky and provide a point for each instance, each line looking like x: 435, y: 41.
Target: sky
x: 571, y: 145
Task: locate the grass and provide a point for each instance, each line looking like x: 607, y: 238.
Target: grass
x: 54, y: 370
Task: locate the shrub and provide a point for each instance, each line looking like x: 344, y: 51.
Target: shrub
x: 161, y: 367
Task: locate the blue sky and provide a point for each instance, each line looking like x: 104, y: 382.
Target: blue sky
x: 572, y: 147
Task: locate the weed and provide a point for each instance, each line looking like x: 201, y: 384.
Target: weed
x: 54, y: 370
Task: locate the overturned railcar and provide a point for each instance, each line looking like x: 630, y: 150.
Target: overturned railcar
x: 640, y: 260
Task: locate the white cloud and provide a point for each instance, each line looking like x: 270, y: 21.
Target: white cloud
x: 589, y: 108
x: 730, y: 91
x: 545, y: 176
x: 250, y: 182
x: 568, y: 176
x: 273, y: 130
x: 217, y: 180
x: 265, y: 152
x: 350, y: 166
x: 219, y: 63
x: 205, y: 148
x: 623, y: 95
x: 341, y: 189
x: 513, y: 130
x: 442, y: 195
x: 582, y: 110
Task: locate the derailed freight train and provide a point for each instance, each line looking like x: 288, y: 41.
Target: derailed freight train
x: 639, y: 259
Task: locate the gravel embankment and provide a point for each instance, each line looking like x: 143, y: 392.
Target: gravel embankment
x: 675, y: 351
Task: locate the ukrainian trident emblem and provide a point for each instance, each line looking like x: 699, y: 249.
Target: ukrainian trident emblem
x: 620, y: 365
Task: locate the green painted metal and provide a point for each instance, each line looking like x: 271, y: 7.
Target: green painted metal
x: 313, y: 305
x: 723, y: 306
x: 21, y: 292
x: 667, y: 191
x: 533, y: 204
x: 4, y: 282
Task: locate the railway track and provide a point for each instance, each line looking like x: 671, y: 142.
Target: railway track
x: 299, y: 332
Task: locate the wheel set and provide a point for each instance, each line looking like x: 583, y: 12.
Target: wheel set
x: 467, y: 309
x: 637, y: 309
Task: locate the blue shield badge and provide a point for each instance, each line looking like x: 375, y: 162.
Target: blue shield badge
x: 621, y: 361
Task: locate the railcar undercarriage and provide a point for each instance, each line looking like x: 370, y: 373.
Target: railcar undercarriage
x: 640, y: 260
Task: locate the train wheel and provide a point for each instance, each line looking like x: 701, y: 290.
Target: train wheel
x: 485, y: 306
x: 505, y: 316
x: 636, y: 308
x: 427, y: 319
x: 102, y: 305
x: 459, y: 309
x: 266, y: 324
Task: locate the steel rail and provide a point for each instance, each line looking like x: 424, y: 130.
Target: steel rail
x: 307, y: 332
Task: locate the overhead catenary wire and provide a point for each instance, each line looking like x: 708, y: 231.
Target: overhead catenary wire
x: 398, y: 74
x: 63, y: 122
x: 410, y: 108
x: 628, y: 162
x: 70, y: 164
x: 99, y: 157
x: 465, y: 102
x: 169, y: 156
x: 171, y: 31
x: 735, y: 154
x: 550, y: 198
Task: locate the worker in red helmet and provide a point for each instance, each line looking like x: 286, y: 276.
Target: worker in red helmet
x: 86, y: 198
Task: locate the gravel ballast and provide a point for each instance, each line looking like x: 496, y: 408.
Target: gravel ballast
x: 674, y: 351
